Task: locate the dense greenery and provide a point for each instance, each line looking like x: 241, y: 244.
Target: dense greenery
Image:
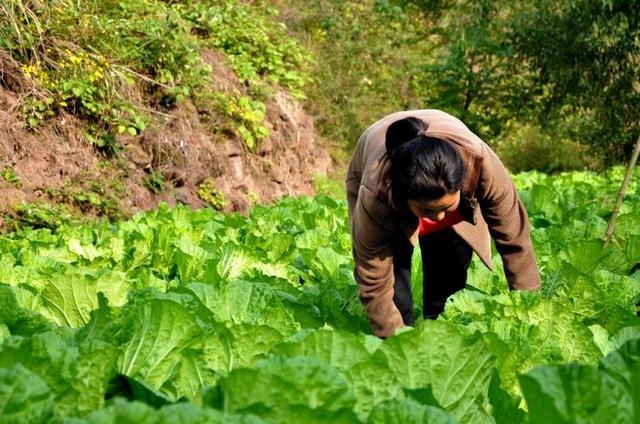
x: 367, y: 54
x: 195, y: 316
x: 551, y: 86
x: 587, y: 58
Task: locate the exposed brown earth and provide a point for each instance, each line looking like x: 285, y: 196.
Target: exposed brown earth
x: 56, y: 163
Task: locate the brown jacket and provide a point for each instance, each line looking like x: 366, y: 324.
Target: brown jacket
x: 489, y: 204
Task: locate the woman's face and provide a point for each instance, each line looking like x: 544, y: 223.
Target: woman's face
x: 435, y: 209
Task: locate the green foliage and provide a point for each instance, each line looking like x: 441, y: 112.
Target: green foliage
x: 90, y: 197
x: 9, y: 175
x: 257, y: 46
x: 328, y: 186
x: 472, y: 72
x: 111, y: 63
x: 367, y: 54
x: 587, y: 55
x: 86, y: 57
x: 154, y: 182
x: 65, y: 206
x: 247, y: 116
x: 398, y: 55
x: 36, y: 109
x: 72, y: 203
x: 570, y: 69
x: 20, y: 321
x: 533, y: 148
x: 37, y: 215
x: 179, y: 311
x: 262, y: 55
x: 578, y: 393
x: 24, y: 396
x: 495, y: 65
x: 213, y: 197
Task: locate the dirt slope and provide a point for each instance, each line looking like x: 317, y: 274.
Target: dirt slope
x: 56, y: 164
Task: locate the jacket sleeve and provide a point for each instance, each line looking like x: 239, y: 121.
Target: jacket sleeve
x: 508, y: 223
x: 371, y: 235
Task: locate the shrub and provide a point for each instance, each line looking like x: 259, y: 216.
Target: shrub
x: 526, y: 148
x: 209, y: 194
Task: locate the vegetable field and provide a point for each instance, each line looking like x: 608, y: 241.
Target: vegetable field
x: 193, y: 316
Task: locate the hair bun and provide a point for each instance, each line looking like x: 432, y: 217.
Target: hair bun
x: 402, y: 131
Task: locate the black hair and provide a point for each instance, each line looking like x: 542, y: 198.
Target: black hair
x: 420, y: 166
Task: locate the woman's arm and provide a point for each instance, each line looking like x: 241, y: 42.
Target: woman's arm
x: 371, y: 233
x: 508, y: 223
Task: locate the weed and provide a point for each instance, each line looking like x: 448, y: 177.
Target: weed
x: 94, y: 200
x: 38, y: 215
x: 248, y: 116
x: 213, y: 197
x: 154, y: 182
x: 9, y: 175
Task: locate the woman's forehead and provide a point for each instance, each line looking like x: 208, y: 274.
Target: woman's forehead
x: 447, y: 200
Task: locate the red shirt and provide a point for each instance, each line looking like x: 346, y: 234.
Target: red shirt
x: 428, y: 226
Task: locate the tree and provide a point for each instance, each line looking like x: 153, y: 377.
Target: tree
x: 587, y: 56
x: 475, y: 73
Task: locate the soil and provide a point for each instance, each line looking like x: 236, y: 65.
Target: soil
x: 180, y: 149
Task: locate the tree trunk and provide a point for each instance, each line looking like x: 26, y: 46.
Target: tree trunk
x: 623, y: 189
